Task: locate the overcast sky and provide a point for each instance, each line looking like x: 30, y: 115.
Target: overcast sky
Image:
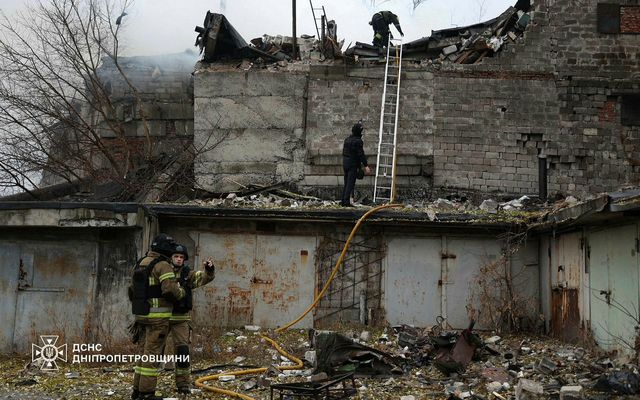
x: 167, y: 26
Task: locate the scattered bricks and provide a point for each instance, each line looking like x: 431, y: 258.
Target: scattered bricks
x: 546, y: 366
x: 571, y: 392
x: 450, y: 50
x: 490, y: 206
x: 529, y: 390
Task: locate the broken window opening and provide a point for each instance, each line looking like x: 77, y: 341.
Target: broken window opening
x: 615, y: 18
x: 630, y: 110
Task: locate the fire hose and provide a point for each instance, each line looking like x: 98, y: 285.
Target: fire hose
x: 200, y: 382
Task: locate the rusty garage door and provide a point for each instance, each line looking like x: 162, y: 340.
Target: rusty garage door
x: 53, y: 292
x: 265, y: 280
x: 567, y: 269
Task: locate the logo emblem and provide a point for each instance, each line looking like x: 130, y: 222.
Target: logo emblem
x: 49, y: 353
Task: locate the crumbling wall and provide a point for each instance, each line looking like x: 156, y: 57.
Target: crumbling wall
x: 257, y: 117
x: 595, y: 71
x: 165, y: 86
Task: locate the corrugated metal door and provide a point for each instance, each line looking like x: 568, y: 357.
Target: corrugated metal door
x: 56, y: 292
x: 9, y: 275
x: 412, y: 294
x: 283, y: 278
x: 265, y: 280
x: 462, y: 258
x: 227, y: 301
x: 614, y: 285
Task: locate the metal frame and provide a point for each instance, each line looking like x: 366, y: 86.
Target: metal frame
x: 359, y: 280
x: 318, y: 390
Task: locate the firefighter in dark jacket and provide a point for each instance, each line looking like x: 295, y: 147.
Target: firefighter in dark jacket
x: 352, y: 158
x: 153, y: 292
x: 180, y: 321
x: 380, y: 23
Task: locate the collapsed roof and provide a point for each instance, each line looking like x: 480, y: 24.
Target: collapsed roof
x: 463, y: 45
x: 219, y: 40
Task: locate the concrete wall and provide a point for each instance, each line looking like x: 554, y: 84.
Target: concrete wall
x: 251, y: 123
x: 557, y: 92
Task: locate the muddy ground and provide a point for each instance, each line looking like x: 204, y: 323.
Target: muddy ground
x: 490, y: 377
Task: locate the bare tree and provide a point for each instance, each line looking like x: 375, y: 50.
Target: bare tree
x: 375, y: 3
x: 58, y: 115
x: 417, y: 3
x: 482, y: 9
x: 496, y: 299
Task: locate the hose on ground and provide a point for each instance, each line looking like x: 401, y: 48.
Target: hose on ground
x: 200, y: 382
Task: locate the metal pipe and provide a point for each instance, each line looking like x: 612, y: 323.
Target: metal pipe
x: 363, y: 307
x: 295, y: 41
x: 542, y: 177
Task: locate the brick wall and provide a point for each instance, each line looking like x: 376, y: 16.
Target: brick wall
x: 555, y: 91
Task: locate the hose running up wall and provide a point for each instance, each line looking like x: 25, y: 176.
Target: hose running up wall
x: 299, y: 364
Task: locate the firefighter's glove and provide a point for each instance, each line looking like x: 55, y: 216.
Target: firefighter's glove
x: 209, y: 267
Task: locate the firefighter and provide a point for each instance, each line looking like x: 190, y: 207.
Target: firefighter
x: 180, y: 321
x: 353, y: 158
x: 153, y: 292
x: 380, y: 23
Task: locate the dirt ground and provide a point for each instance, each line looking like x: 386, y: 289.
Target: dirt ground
x: 490, y: 377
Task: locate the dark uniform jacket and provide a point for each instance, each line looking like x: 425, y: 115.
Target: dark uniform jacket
x: 353, y: 152
x: 389, y: 18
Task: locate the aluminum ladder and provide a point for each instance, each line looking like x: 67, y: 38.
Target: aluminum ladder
x: 384, y: 189
x: 320, y: 29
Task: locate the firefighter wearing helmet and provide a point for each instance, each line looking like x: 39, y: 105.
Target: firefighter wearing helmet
x: 180, y: 321
x: 153, y: 292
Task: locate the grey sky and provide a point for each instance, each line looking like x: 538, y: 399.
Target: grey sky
x: 166, y: 26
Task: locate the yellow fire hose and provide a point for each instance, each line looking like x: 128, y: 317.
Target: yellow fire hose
x: 299, y: 364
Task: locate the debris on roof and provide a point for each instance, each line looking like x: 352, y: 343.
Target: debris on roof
x: 461, y: 45
x: 219, y: 40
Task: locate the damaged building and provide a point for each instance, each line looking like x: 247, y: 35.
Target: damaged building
x: 541, y: 101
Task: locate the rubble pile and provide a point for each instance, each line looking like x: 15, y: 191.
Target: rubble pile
x: 523, y: 209
x: 401, y: 362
